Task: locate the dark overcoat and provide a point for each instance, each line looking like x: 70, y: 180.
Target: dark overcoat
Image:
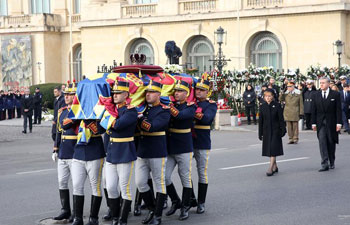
x: 271, y: 129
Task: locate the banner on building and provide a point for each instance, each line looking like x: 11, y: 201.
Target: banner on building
x: 16, y: 62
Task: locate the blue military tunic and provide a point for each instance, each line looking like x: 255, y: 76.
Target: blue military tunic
x: 121, y: 147
x: 179, y: 134
x: 203, y: 121
x: 66, y: 137
x: 92, y: 150
x: 152, y: 142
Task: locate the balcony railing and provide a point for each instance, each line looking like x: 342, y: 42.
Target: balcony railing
x: 139, y: 10
x: 75, y: 18
x: 34, y: 20
x: 197, y: 6
x: 263, y: 3
x: 16, y: 21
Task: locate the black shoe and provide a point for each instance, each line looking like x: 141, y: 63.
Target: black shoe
x: 34, y: 123
x: 137, y: 205
x: 78, y: 203
x: 174, y: 206
x: 65, y: 211
x: 202, y: 193
x: 275, y: 170
x: 94, y: 210
x: 157, y: 219
x: 123, y: 219
x: 332, y: 166
x: 186, y: 198
x: 291, y: 142
x: 148, y: 218
x: 24, y: 132
x: 269, y: 174
x: 30, y: 131
x: 323, y: 169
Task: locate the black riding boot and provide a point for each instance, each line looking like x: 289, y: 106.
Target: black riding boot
x: 115, y: 209
x: 123, y: 219
x: 175, y: 200
x: 193, y: 198
x: 65, y: 211
x: 157, y: 219
x: 108, y: 216
x: 186, y: 198
x: 137, y: 205
x: 94, y: 210
x: 148, y: 198
x: 202, y: 193
x: 150, y: 184
x: 78, y: 203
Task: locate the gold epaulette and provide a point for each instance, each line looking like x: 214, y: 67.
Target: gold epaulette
x: 61, y: 109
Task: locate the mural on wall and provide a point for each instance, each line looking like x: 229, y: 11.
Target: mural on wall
x: 16, y: 62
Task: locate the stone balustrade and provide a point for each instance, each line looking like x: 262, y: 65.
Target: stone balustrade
x: 197, y: 6
x: 263, y: 3
x: 139, y: 10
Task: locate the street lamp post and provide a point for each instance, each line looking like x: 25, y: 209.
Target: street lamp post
x: 339, y: 44
x: 220, y: 60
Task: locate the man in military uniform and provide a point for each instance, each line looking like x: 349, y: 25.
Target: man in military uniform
x: 10, y: 103
x: 121, y: 153
x: 88, y: 162
x: 152, y: 153
x: 204, y: 117
x: 38, y: 97
x: 58, y: 103
x: 65, y: 140
x: 180, y: 149
x: 2, y: 105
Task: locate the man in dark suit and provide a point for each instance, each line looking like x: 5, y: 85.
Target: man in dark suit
x: 27, y: 107
x: 57, y: 104
x: 345, y: 101
x: 326, y: 119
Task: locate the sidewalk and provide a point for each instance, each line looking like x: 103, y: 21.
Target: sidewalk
x: 19, y: 123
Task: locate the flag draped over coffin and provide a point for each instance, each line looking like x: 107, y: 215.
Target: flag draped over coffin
x: 93, y: 93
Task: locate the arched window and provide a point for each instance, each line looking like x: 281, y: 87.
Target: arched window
x: 142, y: 46
x: 40, y: 6
x: 3, y: 7
x: 266, y: 50
x: 78, y: 74
x: 199, y: 52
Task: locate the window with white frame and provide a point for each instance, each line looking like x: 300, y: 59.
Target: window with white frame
x: 77, y: 68
x: 40, y: 6
x: 199, y: 51
x: 142, y: 46
x: 266, y: 50
x: 145, y: 1
x: 76, y: 7
x: 3, y: 7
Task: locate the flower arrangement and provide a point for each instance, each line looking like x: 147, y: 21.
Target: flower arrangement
x: 172, y: 68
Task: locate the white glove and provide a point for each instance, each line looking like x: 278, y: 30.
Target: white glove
x: 54, y: 156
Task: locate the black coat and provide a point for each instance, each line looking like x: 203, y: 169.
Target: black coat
x: 249, y: 96
x: 271, y: 128
x: 57, y: 104
x: 307, y: 95
x: 27, y: 103
x: 38, y: 97
x: 328, y: 109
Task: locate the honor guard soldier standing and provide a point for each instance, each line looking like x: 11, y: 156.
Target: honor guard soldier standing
x: 2, y: 105
x: 66, y: 139
x: 38, y: 98
x: 121, y: 153
x: 180, y: 149
x: 152, y: 153
x: 88, y: 161
x: 204, y: 117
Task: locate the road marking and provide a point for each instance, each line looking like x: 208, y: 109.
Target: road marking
x: 259, y: 164
x: 218, y: 149
x: 254, y: 145
x: 34, y: 171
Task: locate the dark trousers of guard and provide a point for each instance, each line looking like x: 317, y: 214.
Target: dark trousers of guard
x: 25, y: 119
x: 37, y: 114
x: 248, y: 111
x: 9, y: 114
x: 308, y: 121
x: 327, y: 146
x: 2, y: 114
x: 19, y: 112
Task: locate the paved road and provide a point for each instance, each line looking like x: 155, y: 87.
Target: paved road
x: 239, y: 192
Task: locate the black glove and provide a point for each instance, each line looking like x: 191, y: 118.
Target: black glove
x: 260, y: 138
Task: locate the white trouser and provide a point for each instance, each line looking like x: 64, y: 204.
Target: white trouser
x: 184, y: 162
x: 64, y: 167
x: 82, y: 169
x: 143, y: 168
x: 202, y: 158
x: 118, y: 178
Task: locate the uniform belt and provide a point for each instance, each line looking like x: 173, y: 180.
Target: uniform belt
x: 69, y: 137
x: 202, y: 127
x: 180, y: 131
x: 159, y: 133
x: 126, y: 139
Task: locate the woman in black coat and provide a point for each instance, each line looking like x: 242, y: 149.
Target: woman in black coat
x: 249, y: 99
x: 271, y: 130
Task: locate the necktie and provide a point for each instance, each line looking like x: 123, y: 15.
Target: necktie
x: 324, y: 95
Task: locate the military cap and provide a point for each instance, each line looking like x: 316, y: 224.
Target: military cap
x: 154, y: 86
x: 120, y: 86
